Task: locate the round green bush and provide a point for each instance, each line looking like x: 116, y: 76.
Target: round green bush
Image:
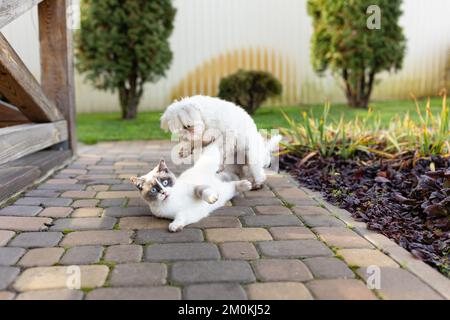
x: 249, y: 89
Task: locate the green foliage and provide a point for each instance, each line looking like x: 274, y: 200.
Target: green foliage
x: 344, y: 44
x: 249, y: 89
x: 122, y: 45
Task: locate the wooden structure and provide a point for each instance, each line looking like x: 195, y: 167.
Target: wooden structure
x: 37, y: 120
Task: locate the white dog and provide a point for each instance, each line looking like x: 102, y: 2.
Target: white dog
x: 199, y: 120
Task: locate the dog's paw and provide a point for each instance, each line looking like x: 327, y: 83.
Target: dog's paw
x: 212, y: 198
x: 243, y: 186
x: 257, y: 186
x: 176, y: 226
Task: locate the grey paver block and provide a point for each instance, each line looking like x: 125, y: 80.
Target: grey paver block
x: 239, y: 251
x: 294, y: 248
x: 36, y: 239
x: 5, y: 236
x: 215, y: 291
x: 234, y: 211
x: 86, y: 203
x: 291, y: 233
x: 104, y: 223
x: 272, y: 210
x: 44, y: 202
x: 127, y: 212
x: 138, y: 275
x: 342, y: 237
x: 256, y: 202
x: 217, y: 222
x: 24, y: 223
x: 310, y: 210
x: 163, y: 236
x: 149, y: 293
x: 237, y: 234
x: 278, y: 291
x: 106, y: 237
x: 281, y: 270
x: 271, y: 221
x: 87, y: 213
x: 41, y: 257
x: 61, y: 294
x: 328, y: 268
x: 7, y: 276
x: 340, y: 289
x: 56, y: 212
x: 20, y: 211
x: 82, y: 255
x: 322, y: 221
x: 181, y: 251
x: 10, y: 256
x: 124, y: 253
x: 212, y: 271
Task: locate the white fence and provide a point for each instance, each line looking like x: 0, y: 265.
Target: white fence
x: 213, y: 38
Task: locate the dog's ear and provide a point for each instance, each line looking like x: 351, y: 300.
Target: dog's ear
x: 165, y: 122
x: 139, y: 183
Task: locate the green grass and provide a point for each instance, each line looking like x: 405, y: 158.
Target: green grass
x: 97, y: 127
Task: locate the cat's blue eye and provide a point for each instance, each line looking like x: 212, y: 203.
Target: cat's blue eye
x: 165, y: 183
x: 153, y: 190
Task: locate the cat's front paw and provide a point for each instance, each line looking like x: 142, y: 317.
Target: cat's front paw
x: 212, y: 198
x: 176, y: 226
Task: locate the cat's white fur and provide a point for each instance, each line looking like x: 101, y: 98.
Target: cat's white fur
x: 226, y: 121
x: 182, y: 205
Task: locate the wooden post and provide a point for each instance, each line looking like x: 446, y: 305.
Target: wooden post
x: 57, y: 76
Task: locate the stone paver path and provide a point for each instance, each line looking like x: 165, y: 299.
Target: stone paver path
x: 281, y: 242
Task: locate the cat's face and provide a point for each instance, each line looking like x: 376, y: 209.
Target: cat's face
x: 156, y: 186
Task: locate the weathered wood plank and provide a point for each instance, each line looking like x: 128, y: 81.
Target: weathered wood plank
x: 12, y: 9
x: 18, y: 141
x: 21, y: 89
x: 10, y: 113
x: 57, y: 60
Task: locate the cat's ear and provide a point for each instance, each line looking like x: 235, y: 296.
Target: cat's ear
x: 162, y: 167
x: 139, y: 183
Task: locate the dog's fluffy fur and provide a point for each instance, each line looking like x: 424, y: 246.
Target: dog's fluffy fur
x: 192, y: 117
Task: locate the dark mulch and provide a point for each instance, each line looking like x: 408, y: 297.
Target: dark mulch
x: 401, y: 199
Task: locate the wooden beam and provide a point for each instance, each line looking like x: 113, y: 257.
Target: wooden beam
x: 12, y: 9
x: 57, y: 60
x: 10, y: 113
x: 21, y: 89
x: 19, y: 141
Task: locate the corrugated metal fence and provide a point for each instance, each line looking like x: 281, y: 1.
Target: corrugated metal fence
x: 214, y: 38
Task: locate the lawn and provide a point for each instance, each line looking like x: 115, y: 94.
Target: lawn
x: 97, y: 127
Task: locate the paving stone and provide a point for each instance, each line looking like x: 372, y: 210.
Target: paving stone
x: 107, y: 203
x: 163, y: 235
x: 291, y: 193
x: 366, y: 258
x: 342, y: 237
x: 123, y: 187
x: 278, y: 182
x: 212, y: 271
x: 217, y: 222
x: 42, y: 257
x: 85, y: 238
x: 74, y: 171
x: 234, y: 211
x: 272, y: 210
x: 291, y: 233
x: 105, y: 223
x: 47, y: 278
x: 214, y: 291
x: 293, y: 249
x: 82, y: 255
x: 117, y: 194
x: 181, y: 251
x: 62, y: 181
x: 239, y: 251
x: 36, y: 240
x: 263, y: 193
x: 98, y: 188
x: 87, y: 213
x: 91, y: 203
x: 7, y: 276
x: 24, y: 224
x: 278, y: 291
x: 61, y: 187
x: 256, y: 202
x: 237, y: 234
x: 302, y: 202
x: 138, y: 275
x: 310, y: 210
x: 124, y: 253
x: 150, y: 293
x: 328, y: 268
x: 5, y: 236
x: 5, y: 295
x: 281, y: 270
x: 43, y: 193
x: 44, y: 202
x: 322, y: 221
x: 20, y: 211
x: 142, y: 223
x: 56, y: 212
x: 340, y: 289
x: 271, y: 220
x: 399, y: 284
x: 61, y: 294
x: 79, y: 194
x: 10, y: 256
x: 127, y: 212
x: 137, y: 202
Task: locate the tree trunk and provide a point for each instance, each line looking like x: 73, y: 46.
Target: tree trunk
x: 359, y: 90
x: 129, y: 100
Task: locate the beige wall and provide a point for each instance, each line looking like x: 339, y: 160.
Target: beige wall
x: 213, y: 38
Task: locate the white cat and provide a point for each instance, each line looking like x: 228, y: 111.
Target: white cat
x: 194, y: 195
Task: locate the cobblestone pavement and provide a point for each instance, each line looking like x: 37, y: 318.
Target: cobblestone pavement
x: 281, y: 242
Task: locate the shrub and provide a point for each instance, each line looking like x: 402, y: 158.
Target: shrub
x: 343, y: 43
x: 122, y: 45
x: 249, y: 89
